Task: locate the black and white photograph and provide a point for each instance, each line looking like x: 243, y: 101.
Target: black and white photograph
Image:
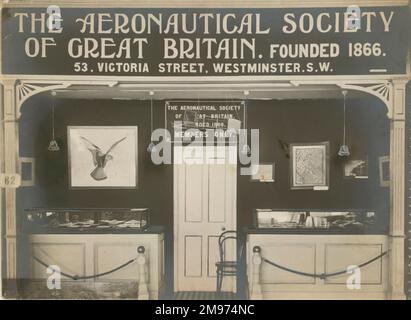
x: 264, y: 172
x: 102, y: 157
x: 356, y: 169
x: 215, y: 153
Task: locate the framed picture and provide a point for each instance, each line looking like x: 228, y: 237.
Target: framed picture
x: 384, y: 164
x: 309, y: 166
x: 356, y: 169
x: 102, y: 157
x: 265, y: 173
x: 27, y: 171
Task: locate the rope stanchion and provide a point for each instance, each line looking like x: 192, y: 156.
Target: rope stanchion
x: 321, y: 276
x: 76, y: 277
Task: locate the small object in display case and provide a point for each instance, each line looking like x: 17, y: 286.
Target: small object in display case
x: 314, y: 219
x: 87, y: 219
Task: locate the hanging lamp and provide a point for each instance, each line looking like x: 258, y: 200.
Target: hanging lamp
x: 151, y: 147
x: 53, y: 145
x: 344, y: 151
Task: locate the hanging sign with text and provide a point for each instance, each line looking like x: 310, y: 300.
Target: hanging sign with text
x: 204, y: 119
x: 205, y: 42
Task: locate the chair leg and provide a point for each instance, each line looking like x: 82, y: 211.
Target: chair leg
x: 220, y: 282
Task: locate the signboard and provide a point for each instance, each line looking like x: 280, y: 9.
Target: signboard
x: 10, y: 180
x: 196, y: 119
x: 205, y: 42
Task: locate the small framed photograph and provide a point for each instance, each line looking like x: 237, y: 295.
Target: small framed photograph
x: 309, y: 165
x: 264, y: 172
x: 102, y: 157
x: 384, y: 166
x: 356, y: 169
x: 27, y: 171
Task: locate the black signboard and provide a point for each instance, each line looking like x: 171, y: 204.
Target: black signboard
x: 203, y: 120
x: 205, y: 42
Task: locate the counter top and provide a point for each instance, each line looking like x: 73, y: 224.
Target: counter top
x: 149, y: 230
x: 313, y: 231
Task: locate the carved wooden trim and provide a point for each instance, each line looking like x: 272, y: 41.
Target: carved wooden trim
x: 25, y: 90
x: 382, y: 90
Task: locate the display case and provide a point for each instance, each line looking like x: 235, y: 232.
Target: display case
x: 332, y: 220
x: 86, y: 219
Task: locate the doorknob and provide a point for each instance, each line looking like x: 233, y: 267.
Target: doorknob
x: 223, y: 229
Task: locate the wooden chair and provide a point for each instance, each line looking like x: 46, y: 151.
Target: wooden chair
x: 227, y: 267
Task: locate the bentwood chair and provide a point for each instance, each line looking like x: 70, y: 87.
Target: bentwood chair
x: 225, y: 267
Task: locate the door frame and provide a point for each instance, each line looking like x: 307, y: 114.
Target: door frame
x: 176, y: 234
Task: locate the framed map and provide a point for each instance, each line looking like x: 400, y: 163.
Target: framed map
x: 309, y: 165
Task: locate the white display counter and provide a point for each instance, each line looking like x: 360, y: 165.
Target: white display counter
x: 316, y: 254
x: 91, y: 254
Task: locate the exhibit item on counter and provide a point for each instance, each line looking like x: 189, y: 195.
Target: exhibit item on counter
x: 309, y: 165
x: 357, y: 169
x: 102, y: 157
x: 66, y: 220
x: 352, y: 220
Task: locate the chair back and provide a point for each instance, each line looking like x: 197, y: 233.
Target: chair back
x: 222, y: 239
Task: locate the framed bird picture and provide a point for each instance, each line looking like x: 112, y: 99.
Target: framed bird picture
x: 102, y: 157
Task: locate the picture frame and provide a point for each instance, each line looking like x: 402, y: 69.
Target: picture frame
x: 102, y: 157
x: 309, y: 165
x: 384, y: 170
x: 356, y: 168
x: 27, y: 167
x: 265, y: 173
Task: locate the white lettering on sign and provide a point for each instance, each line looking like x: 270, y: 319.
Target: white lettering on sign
x: 10, y: 180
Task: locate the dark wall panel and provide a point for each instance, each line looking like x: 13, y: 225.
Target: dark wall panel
x: 299, y: 121
x: 308, y: 121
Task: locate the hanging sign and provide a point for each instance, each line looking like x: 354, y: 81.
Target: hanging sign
x: 10, y: 180
x: 205, y: 42
x: 204, y: 119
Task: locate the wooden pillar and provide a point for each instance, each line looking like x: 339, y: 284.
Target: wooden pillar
x: 10, y: 153
x: 396, y: 284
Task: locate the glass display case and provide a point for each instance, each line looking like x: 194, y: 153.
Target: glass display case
x: 86, y: 219
x: 333, y: 220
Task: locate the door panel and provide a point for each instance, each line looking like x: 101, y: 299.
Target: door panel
x: 193, y: 256
x: 204, y: 205
x: 213, y: 255
x: 216, y: 193
x: 193, y: 193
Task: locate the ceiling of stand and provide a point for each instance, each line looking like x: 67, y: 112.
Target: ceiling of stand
x: 133, y: 91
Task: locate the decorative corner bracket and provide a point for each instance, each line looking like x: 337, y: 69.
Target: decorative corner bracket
x: 25, y: 90
x: 382, y: 90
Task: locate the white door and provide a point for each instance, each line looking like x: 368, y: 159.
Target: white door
x: 205, y: 188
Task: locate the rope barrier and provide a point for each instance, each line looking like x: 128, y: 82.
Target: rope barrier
x: 76, y: 277
x: 321, y: 276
